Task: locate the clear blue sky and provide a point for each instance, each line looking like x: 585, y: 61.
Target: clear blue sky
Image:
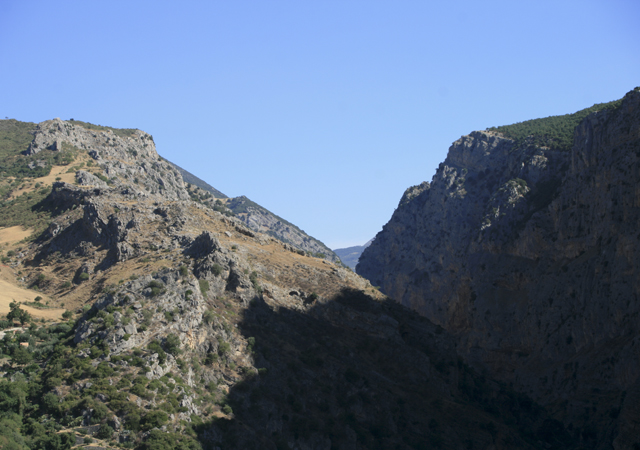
x: 322, y: 111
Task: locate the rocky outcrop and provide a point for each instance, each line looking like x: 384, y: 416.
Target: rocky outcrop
x: 122, y: 155
x: 531, y: 258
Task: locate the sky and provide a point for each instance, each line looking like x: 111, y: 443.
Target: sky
x: 322, y: 111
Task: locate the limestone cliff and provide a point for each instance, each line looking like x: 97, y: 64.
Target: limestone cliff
x: 530, y: 256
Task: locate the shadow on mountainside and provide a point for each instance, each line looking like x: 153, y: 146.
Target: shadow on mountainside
x: 356, y: 373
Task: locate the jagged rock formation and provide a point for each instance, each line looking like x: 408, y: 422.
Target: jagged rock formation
x: 530, y: 257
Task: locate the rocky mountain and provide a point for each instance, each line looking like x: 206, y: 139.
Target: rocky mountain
x: 525, y: 247
x: 185, y: 329
x: 256, y: 217
x: 350, y: 255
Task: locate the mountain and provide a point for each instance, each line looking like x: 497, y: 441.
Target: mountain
x: 525, y: 247
x: 350, y: 255
x: 154, y: 321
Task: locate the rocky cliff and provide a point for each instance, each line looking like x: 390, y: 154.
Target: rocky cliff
x: 188, y: 330
x: 529, y: 254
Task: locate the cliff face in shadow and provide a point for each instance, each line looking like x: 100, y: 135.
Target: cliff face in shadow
x: 529, y: 256
x: 354, y: 372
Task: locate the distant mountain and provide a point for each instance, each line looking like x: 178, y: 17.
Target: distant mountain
x: 350, y: 255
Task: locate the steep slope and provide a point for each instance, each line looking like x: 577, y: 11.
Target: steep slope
x: 528, y: 253
x: 189, y: 330
x: 256, y: 217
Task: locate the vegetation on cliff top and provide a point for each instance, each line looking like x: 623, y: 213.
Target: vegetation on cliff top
x: 122, y: 132
x: 555, y: 132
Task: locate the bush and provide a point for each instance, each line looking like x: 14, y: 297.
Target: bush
x: 155, y: 347
x: 105, y: 432
x: 157, y: 288
x: 204, y: 286
x: 155, y: 419
x: 223, y: 347
x: 172, y: 344
x: 67, y: 315
x: 184, y: 270
x: 208, y: 316
x: 84, y: 276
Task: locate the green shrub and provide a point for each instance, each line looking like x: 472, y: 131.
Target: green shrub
x: 223, y: 347
x: 154, y: 419
x: 155, y: 347
x: 157, y: 288
x: 204, y: 286
x: 209, y: 316
x: 105, y: 432
x: 84, y: 276
x: 172, y: 344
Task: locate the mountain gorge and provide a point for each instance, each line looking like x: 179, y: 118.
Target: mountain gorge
x: 525, y: 248
x: 161, y: 320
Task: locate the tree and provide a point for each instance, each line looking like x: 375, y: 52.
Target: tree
x: 21, y: 355
x: 18, y: 313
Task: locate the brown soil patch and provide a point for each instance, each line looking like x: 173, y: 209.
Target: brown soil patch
x: 56, y: 172
x: 10, y: 293
x: 14, y: 234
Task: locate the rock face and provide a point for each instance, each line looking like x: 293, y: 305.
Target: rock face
x: 531, y: 258
x: 123, y: 155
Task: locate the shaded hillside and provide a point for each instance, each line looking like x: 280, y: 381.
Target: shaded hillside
x: 529, y: 256
x: 187, y: 330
